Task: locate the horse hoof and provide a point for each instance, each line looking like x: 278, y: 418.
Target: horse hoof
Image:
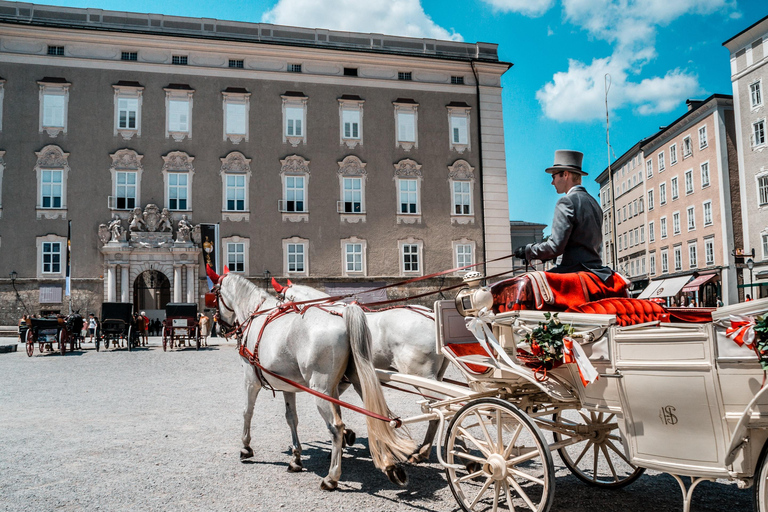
x: 326, y: 484
x: 349, y: 437
x: 246, y: 453
x: 293, y: 467
x: 397, y: 475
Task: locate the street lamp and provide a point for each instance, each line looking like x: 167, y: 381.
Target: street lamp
x: 750, y: 266
x: 13, y: 275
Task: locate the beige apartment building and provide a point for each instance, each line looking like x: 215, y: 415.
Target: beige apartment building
x: 749, y: 76
x: 693, y: 205
x: 339, y: 158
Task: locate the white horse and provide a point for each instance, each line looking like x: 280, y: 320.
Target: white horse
x: 311, y: 349
x: 402, y: 340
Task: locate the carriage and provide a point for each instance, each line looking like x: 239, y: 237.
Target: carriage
x: 116, y: 325
x: 47, y: 332
x: 180, y: 325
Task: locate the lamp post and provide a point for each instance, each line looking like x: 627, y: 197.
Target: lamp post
x: 13, y: 275
x: 750, y: 266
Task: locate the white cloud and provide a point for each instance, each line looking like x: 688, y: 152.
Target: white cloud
x: 395, y: 17
x: 532, y: 8
x: 631, y: 27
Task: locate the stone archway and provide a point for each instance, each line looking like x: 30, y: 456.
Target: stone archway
x: 151, y: 291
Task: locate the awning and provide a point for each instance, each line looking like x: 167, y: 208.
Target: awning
x: 664, y: 287
x: 699, y: 281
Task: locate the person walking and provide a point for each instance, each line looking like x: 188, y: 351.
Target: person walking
x: 205, y: 328
x: 144, y: 329
x: 91, y: 326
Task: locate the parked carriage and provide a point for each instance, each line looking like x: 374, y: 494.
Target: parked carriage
x: 48, y: 333
x: 180, y: 326
x: 116, y: 325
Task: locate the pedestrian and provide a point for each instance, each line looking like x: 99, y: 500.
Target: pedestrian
x: 720, y: 302
x: 23, y: 327
x: 91, y: 326
x: 214, y: 324
x: 205, y: 328
x: 748, y: 298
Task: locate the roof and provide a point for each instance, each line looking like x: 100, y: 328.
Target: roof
x: 261, y: 33
x: 675, y: 125
x: 525, y: 223
x: 619, y: 162
x: 742, y: 33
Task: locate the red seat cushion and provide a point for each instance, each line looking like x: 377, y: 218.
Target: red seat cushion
x: 627, y: 311
x: 469, y: 349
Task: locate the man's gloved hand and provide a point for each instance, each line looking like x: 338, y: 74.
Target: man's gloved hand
x: 520, y: 252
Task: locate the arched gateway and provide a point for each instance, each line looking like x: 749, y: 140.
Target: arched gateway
x: 150, y: 258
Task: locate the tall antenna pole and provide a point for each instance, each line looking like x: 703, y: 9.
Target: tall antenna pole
x: 612, y: 210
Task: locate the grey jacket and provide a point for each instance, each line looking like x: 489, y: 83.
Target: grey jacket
x: 576, y: 235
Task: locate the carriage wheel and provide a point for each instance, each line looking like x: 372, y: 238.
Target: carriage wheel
x: 130, y: 338
x: 598, y: 457
x: 62, y: 341
x: 30, y: 343
x: 499, y: 459
x: 197, y: 338
x: 761, y: 482
x: 96, y: 342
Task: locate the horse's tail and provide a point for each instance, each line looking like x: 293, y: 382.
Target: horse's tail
x: 388, y: 446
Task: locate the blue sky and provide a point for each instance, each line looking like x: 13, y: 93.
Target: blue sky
x: 658, y: 52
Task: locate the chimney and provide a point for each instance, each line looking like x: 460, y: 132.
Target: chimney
x: 693, y: 104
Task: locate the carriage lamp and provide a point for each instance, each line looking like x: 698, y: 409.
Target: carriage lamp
x: 473, y: 297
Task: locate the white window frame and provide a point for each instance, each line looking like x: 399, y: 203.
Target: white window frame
x: 761, y: 182
x: 411, y: 242
x: 665, y: 261
x: 178, y: 163
x: 125, y: 161
x: 691, y: 214
x: 462, y: 174
x: 709, y: 248
x: 246, y: 244
x: 133, y: 93
x: 651, y: 232
x: 663, y: 227
x: 354, y: 241
x: 292, y: 167
x: 292, y: 104
x: 704, y: 169
x: 693, y: 256
x: 406, y: 110
x: 51, y: 90
x: 652, y: 264
x: 703, y: 139
x: 235, y: 164
x: 707, y: 207
x: 674, y: 188
x: 764, y: 240
x: 2, y: 172
x: 349, y: 107
x: 51, y: 157
x: 650, y: 200
x: 2, y: 101
x: 352, y: 168
x: 178, y: 97
x: 240, y: 100
x: 661, y: 161
x: 688, y: 178
x: 756, y: 94
x: 672, y: 154
x: 687, y: 147
x: 289, y: 243
x: 459, y: 119
x: 758, y: 125
x: 675, y: 223
x: 408, y: 169
x: 51, y: 239
x: 461, y: 260
x: 678, y: 256
x: 663, y: 193
x: 649, y: 168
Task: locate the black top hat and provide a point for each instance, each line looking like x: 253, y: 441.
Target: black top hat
x: 567, y: 160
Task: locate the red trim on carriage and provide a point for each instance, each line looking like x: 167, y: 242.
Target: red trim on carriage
x: 468, y: 349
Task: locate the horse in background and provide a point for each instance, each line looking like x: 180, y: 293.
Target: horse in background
x: 403, y: 340
x: 312, y: 349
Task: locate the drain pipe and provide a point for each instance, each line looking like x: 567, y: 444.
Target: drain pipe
x: 480, y: 163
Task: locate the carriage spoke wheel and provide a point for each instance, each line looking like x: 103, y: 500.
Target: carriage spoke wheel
x: 30, y: 343
x: 499, y: 459
x: 598, y: 457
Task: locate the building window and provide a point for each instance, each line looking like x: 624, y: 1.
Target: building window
x: 177, y: 174
x: 689, y: 181
x: 678, y: 251
x: 352, y: 176
x: 642, y: 234
x: 650, y: 200
x: 179, y: 60
x: 692, y: 256
x: 408, y: 181
x: 294, y: 118
x: 404, y: 75
x: 129, y: 56
x: 461, y: 178
x: 707, y: 213
x: 409, y: 195
x: 664, y: 261
x: 235, y: 191
x: 462, y: 198
x: 676, y: 223
x: 458, y: 123
x: 351, y: 120
x: 236, y: 63
x: 661, y: 161
x: 125, y: 190
x: 352, y: 195
x: 236, y: 105
x: 651, y: 233
x: 236, y: 257
x: 464, y: 254
x: 293, y: 194
x: 673, y: 154
x: 294, y: 68
x: 236, y: 176
x: 764, y: 237
x: 350, y: 71
x: 353, y: 256
x: 762, y: 188
x: 406, y: 124
x: 649, y: 168
x: 687, y: 147
x: 705, y: 174
x: 674, y: 187
x: 52, y: 169
x: 56, y: 50
x: 691, y: 218
x: 652, y: 264
x: 128, y: 100
x: 662, y: 193
x: 178, y: 108
x: 457, y: 80
x: 294, y: 172
x: 51, y: 257
x: 126, y: 173
x: 758, y: 133
x: 663, y: 227
x: 703, y: 137
x: 459, y: 130
x: 296, y: 259
x: 755, y: 94
x: 709, y: 251
x: 54, y: 105
x: 410, y: 256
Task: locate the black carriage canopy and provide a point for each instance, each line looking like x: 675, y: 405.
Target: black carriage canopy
x: 116, y: 311
x: 181, y: 309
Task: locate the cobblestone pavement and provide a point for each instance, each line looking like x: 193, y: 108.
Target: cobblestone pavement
x: 149, y: 430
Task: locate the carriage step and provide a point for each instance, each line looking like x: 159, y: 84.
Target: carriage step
x: 8, y: 348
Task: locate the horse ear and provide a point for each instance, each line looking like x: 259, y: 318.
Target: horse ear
x: 290, y: 283
x: 276, y: 286
x: 211, y: 274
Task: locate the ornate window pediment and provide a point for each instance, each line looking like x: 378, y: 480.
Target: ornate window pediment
x: 352, y: 166
x: 178, y: 161
x: 408, y: 168
x: 294, y: 164
x: 461, y: 170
